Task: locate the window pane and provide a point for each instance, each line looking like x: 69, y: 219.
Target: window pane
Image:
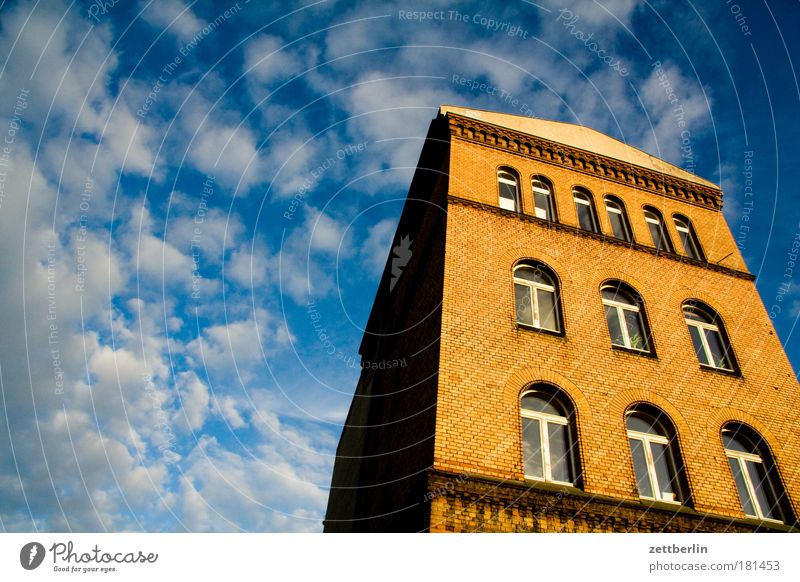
x: 658, y: 236
x: 688, y: 244
x: 614, y: 328
x: 665, y: 471
x: 734, y: 441
x: 641, y: 423
x: 765, y: 496
x: 547, y: 310
x: 698, y: 345
x: 508, y: 196
x: 533, y: 274
x: 532, y: 448
x: 635, y: 330
x: 541, y: 402
x: 542, y: 203
x: 744, y: 495
x: 640, y: 465
x: 618, y: 225
x: 559, y: 452
x: 522, y: 295
x: 717, y: 352
x: 585, y: 218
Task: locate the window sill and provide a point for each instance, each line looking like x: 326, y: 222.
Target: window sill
x: 554, y: 486
x: 526, y: 327
x: 661, y: 504
x: 724, y: 372
x: 634, y: 351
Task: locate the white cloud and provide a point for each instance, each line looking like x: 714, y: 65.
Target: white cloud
x: 174, y: 15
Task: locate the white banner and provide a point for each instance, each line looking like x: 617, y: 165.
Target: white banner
x: 228, y: 557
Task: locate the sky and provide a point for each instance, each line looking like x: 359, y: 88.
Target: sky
x: 197, y: 200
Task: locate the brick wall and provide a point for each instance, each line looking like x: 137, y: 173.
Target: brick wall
x: 486, y: 359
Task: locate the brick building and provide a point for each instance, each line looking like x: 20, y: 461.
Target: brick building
x: 565, y: 339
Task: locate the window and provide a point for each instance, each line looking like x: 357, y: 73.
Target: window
x: 508, y: 186
x: 625, y: 317
x: 547, y: 437
x: 655, y: 459
x: 587, y: 217
x: 618, y: 218
x: 691, y: 246
x: 536, y: 296
x: 543, y: 198
x: 708, y: 336
x: 657, y: 231
x: 755, y: 475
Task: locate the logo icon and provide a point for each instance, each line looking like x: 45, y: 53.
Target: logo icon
x: 402, y: 254
x: 31, y: 555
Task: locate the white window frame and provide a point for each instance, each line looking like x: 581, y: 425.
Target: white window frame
x: 616, y: 208
x: 620, y: 308
x: 532, y: 286
x: 743, y: 458
x: 646, y: 439
x: 684, y: 226
x: 583, y: 198
x: 544, y: 438
x: 548, y: 193
x: 702, y: 327
x: 653, y: 218
x: 515, y: 182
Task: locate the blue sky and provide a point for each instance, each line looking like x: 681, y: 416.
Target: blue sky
x: 198, y: 199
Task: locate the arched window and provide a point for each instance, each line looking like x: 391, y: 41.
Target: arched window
x: 691, y: 245
x: 658, y: 232
x: 754, y: 473
x: 584, y: 206
x: 536, y: 297
x: 708, y: 336
x: 543, y: 198
x: 618, y: 218
x: 625, y: 316
x: 508, y: 186
x: 548, y: 443
x: 656, y: 459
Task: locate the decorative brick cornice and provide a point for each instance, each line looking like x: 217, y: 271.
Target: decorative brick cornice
x: 583, y: 161
x: 452, y: 199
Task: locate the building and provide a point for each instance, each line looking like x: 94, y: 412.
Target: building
x: 565, y: 339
